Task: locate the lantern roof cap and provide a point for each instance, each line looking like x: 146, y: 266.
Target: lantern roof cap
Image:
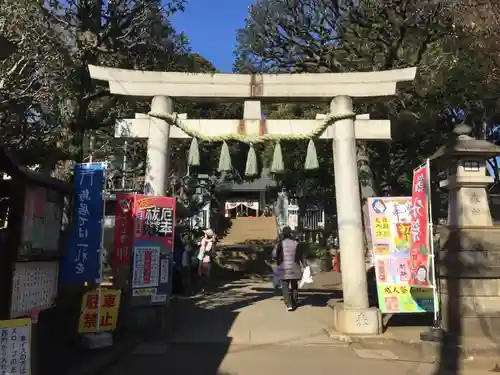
x: 462, y: 144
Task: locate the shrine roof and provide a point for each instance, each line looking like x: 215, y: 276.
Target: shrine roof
x: 10, y: 164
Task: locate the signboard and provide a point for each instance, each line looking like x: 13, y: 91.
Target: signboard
x: 108, y: 309
x: 390, y: 220
x: 34, y: 288
x: 124, y: 226
x: 41, y: 231
x: 152, y: 248
x: 15, y: 347
x: 146, y: 267
x: 420, y: 255
x: 82, y: 258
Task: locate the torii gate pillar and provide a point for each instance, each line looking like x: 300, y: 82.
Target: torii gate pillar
x: 158, y: 159
x: 349, y: 207
x: 354, y: 315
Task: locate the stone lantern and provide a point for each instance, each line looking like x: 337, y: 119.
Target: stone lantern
x: 468, y: 262
x: 467, y: 179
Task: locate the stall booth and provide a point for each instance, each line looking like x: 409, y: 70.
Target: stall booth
x: 32, y: 224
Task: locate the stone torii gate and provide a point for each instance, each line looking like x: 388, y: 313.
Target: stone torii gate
x: 354, y: 316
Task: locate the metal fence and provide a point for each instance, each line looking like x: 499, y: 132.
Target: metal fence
x: 313, y: 218
x: 312, y: 223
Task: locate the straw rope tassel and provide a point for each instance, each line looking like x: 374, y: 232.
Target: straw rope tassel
x: 277, y: 165
x: 251, y: 168
x: 311, y: 157
x: 194, y: 153
x: 225, y: 159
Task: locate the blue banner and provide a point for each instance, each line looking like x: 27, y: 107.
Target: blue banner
x: 82, y: 260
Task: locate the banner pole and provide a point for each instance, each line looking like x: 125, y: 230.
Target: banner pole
x: 101, y: 248
x: 431, y: 246
x: 435, y: 332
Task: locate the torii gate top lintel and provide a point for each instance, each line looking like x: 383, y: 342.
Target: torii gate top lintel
x: 224, y: 86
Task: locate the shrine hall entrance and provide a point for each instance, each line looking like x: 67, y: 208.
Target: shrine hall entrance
x: 236, y: 209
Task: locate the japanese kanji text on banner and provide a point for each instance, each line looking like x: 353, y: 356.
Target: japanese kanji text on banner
x: 421, y: 259
x: 124, y: 227
x: 82, y: 259
x: 390, y: 219
x: 108, y: 310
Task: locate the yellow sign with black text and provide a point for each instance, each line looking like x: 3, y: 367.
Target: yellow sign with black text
x: 108, y: 308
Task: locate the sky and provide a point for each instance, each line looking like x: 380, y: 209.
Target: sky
x: 211, y: 28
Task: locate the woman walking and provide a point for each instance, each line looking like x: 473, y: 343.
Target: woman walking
x: 290, y: 259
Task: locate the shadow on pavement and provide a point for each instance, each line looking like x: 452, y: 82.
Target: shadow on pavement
x: 309, y: 297
x: 200, y: 339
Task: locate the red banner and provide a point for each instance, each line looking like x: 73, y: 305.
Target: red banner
x: 153, y: 240
x: 124, y: 229
x: 420, y: 251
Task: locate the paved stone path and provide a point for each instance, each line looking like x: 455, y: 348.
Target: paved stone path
x: 244, y: 329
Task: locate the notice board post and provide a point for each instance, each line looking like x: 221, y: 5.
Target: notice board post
x: 32, y: 237
x: 144, y: 241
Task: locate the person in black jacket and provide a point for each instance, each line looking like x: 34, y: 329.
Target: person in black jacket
x: 290, y: 259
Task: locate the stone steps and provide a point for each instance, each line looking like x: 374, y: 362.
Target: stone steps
x: 242, y: 249
x: 245, y: 230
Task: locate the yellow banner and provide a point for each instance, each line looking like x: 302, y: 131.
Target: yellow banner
x: 109, y: 309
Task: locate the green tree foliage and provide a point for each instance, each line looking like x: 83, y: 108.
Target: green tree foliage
x: 50, y: 108
x: 53, y: 42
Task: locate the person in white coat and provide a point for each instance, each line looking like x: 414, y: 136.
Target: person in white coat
x: 205, y: 253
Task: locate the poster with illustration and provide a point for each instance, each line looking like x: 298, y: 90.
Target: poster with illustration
x: 390, y: 222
